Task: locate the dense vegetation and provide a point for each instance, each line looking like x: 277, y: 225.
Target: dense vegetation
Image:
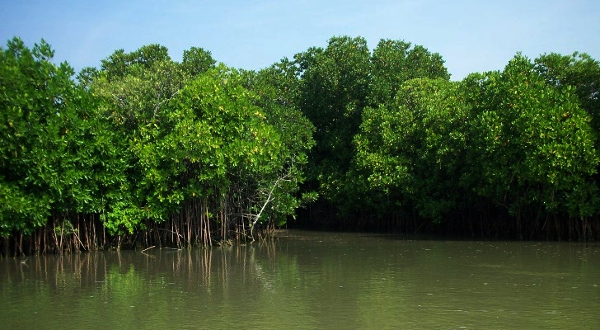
x: 148, y: 151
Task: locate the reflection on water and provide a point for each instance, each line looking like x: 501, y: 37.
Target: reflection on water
x: 310, y: 280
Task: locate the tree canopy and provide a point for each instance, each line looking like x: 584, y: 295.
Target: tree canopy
x: 147, y: 150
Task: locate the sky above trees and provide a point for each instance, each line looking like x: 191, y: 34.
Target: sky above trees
x: 472, y: 36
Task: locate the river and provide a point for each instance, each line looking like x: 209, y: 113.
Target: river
x: 310, y: 280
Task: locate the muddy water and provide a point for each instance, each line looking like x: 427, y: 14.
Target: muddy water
x: 310, y: 280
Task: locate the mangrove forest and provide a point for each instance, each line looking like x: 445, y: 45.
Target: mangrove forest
x: 145, y: 151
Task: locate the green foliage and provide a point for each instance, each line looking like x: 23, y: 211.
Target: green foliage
x: 333, y: 89
x: 145, y: 139
x: 119, y: 64
x: 532, y: 145
x: 335, y: 85
x: 196, y: 61
x: 273, y: 87
x: 578, y: 71
x: 509, y: 137
x: 193, y: 131
x: 413, y: 148
x: 135, y: 89
x: 46, y: 129
x: 393, y: 62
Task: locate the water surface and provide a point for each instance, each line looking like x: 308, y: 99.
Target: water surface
x: 310, y: 280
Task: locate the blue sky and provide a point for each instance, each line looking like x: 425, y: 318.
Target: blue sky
x: 472, y: 36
